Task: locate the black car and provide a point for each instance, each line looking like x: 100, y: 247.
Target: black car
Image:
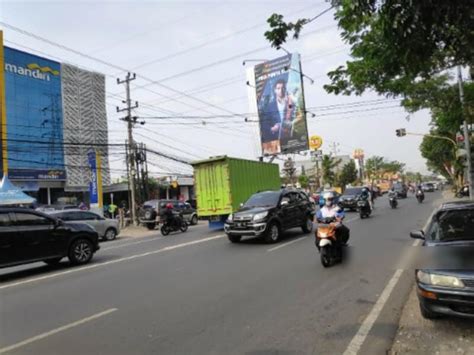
x: 350, y: 197
x: 267, y: 214
x: 447, y: 286
x: 28, y: 236
x: 401, y: 190
x: 152, y: 212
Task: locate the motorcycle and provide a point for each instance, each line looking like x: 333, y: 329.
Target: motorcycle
x: 393, y: 202
x: 364, y: 208
x: 179, y: 224
x: 330, y: 249
x: 463, y: 192
x: 420, y: 196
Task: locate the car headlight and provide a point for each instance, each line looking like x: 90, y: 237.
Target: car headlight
x: 439, y: 280
x: 260, y: 216
x: 230, y: 218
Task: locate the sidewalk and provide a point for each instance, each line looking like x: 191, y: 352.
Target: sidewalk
x: 417, y: 335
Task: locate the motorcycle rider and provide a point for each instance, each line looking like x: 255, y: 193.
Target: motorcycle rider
x: 330, y: 209
x: 420, y: 192
x: 366, y: 196
x: 170, y: 216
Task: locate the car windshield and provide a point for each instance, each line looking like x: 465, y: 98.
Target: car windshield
x: 263, y: 199
x: 353, y: 191
x: 450, y: 226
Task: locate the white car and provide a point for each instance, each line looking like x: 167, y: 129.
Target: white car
x: 107, y: 229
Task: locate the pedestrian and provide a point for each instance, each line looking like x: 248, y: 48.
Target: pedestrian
x: 112, y: 209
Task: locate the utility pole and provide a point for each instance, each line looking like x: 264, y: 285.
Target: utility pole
x: 131, y: 144
x: 334, y: 148
x: 467, y: 136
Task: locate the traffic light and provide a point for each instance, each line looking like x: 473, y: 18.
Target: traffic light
x: 401, y: 132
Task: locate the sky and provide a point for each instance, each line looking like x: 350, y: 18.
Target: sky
x: 188, y: 57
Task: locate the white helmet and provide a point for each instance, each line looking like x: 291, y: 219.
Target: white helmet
x: 328, y: 198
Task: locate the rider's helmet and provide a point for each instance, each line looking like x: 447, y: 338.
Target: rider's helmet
x: 169, y: 206
x: 328, y: 198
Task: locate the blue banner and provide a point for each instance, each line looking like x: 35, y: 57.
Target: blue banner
x: 94, y: 183
x: 34, y: 117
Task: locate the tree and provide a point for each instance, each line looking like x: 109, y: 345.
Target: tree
x: 327, y: 165
x: 373, y: 167
x: 304, y: 181
x: 394, y: 43
x: 348, y: 174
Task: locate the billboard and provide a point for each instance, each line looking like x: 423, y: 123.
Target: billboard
x: 34, y: 117
x: 281, y: 106
x: 95, y: 183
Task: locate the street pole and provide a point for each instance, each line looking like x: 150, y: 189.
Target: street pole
x: 131, y: 144
x: 467, y: 142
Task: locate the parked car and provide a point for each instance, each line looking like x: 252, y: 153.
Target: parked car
x: 443, y: 291
x: 108, y: 229
x: 152, y: 212
x: 350, y: 197
x: 58, y: 207
x: 268, y: 214
x: 400, y: 189
x: 428, y: 187
x: 28, y: 236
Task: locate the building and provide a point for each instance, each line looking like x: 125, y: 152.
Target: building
x: 53, y: 115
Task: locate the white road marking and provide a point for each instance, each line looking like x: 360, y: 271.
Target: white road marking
x: 416, y: 243
x: 132, y: 243
x: 359, y: 338
x: 115, y: 261
x: 285, y: 244
x: 55, y: 331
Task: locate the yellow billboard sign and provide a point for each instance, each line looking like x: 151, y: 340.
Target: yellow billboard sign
x: 315, y: 142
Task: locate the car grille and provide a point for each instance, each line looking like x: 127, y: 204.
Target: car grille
x: 243, y: 218
x: 468, y: 282
x: 463, y: 309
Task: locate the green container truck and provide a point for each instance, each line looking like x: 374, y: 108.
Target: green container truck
x: 222, y: 183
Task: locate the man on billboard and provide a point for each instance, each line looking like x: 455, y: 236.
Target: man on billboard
x: 277, y: 120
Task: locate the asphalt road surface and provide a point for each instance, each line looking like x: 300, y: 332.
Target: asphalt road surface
x: 196, y: 293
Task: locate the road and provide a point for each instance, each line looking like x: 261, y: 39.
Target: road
x: 196, y: 293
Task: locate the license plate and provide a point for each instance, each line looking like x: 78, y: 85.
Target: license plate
x: 361, y: 203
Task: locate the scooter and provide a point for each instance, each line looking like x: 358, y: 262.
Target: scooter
x: 364, y: 208
x: 329, y: 248
x: 463, y: 192
x: 393, y: 202
x: 420, y: 196
x: 178, y: 225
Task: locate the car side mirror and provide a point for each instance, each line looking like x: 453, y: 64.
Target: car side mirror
x: 58, y: 222
x: 417, y: 235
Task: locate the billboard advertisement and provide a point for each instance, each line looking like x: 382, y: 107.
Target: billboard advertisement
x: 95, y: 184
x: 34, y: 116
x: 281, y: 106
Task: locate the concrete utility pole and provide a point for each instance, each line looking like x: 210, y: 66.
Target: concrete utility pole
x: 467, y: 136
x: 131, y: 144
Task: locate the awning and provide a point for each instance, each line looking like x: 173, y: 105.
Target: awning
x: 12, y: 195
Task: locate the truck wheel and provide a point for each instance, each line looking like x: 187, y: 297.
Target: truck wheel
x: 272, y: 234
x: 308, y: 226
x: 234, y: 238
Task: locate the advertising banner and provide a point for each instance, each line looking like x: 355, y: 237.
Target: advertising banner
x: 281, y: 106
x: 34, y: 117
x: 95, y: 184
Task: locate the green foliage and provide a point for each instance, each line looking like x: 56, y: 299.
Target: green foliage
x: 304, y: 181
x: 327, y: 166
x: 348, y: 174
x: 376, y: 166
x: 394, y: 43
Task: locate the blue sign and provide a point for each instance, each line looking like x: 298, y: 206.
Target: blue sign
x: 93, y: 184
x: 34, y: 117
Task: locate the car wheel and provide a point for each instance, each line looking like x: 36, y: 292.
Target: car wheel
x: 308, y: 226
x: 273, y: 233
x: 53, y: 262
x: 427, y: 314
x: 234, y: 238
x: 194, y: 220
x: 80, y: 252
x: 110, y: 234
x: 150, y: 226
